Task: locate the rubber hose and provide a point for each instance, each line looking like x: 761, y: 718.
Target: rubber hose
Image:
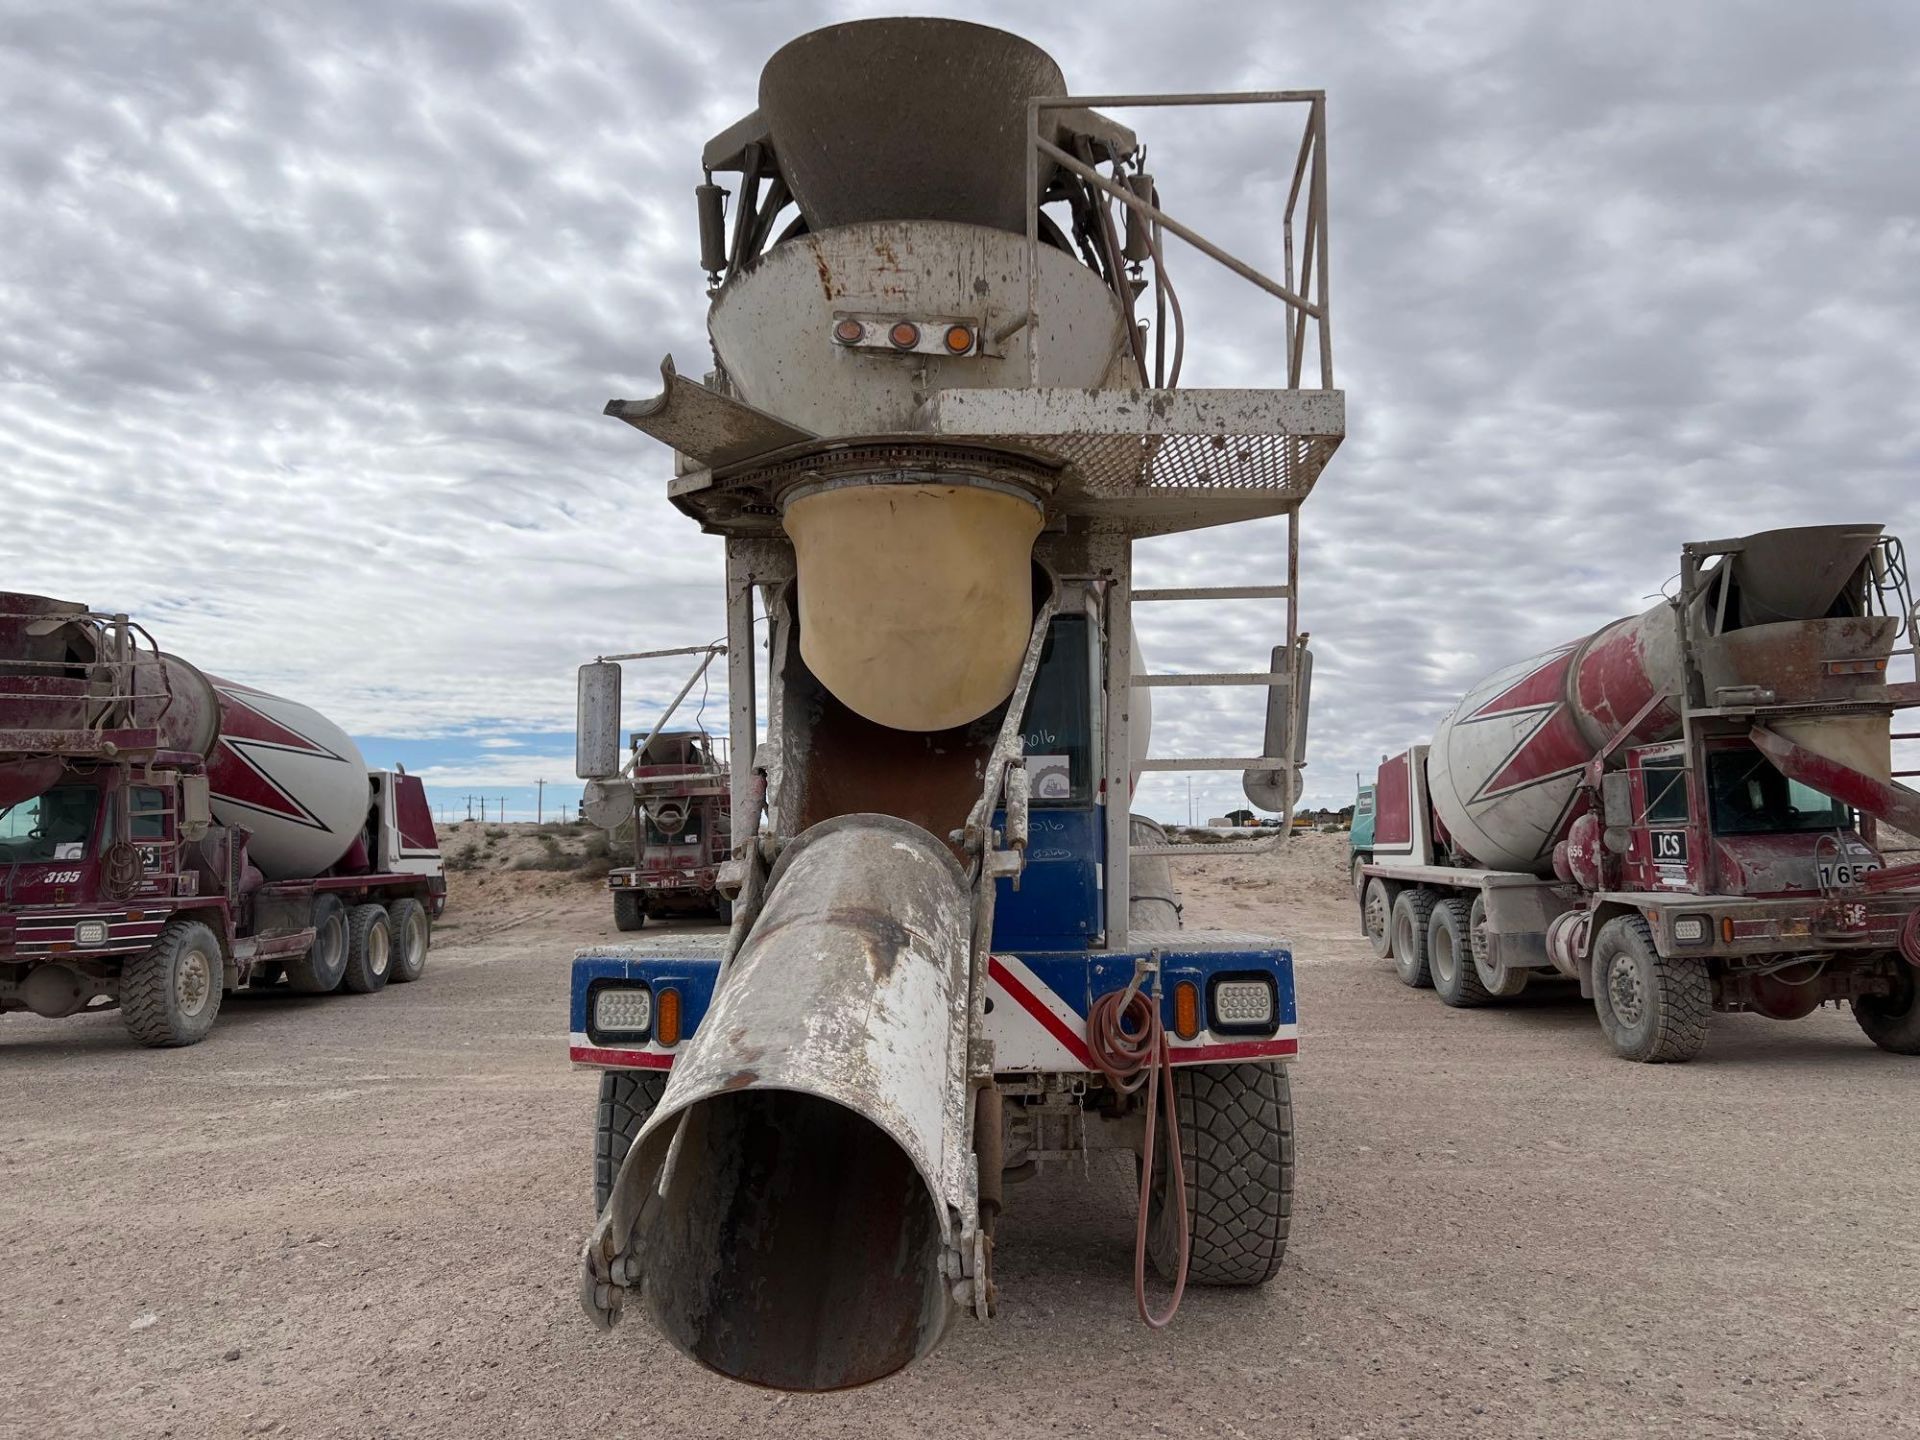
x: 1130, y: 1048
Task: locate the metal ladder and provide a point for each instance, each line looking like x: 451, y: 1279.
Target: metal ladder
x: 1263, y: 678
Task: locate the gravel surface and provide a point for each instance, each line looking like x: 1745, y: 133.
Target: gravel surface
x: 359, y: 1215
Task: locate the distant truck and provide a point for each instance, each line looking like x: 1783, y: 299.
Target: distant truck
x: 166, y: 836
x: 1679, y: 811
x: 682, y: 824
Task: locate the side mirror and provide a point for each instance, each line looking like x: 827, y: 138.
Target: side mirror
x: 1616, y: 799
x: 1286, y: 735
x: 596, y: 722
x: 196, y: 807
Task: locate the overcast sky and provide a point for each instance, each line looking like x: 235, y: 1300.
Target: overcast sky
x: 307, y: 315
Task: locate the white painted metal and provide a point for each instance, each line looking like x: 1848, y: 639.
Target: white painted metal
x: 773, y: 326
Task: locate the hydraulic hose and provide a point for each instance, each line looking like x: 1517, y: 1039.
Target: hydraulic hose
x: 1130, y: 1047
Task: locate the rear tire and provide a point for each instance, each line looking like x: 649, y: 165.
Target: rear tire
x: 1236, y: 1150
x: 627, y: 1098
x: 1653, y: 1009
x: 1498, y: 980
x: 1376, y: 917
x: 369, y: 949
x: 1450, y: 955
x: 1412, y: 909
x: 170, y: 996
x: 628, y: 913
x: 723, y: 907
x: 322, y: 968
x: 412, y: 938
x: 1893, y: 1021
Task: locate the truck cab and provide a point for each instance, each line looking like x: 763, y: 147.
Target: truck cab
x: 1360, y: 837
x: 1737, y: 826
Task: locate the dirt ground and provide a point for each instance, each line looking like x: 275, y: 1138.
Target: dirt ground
x: 359, y: 1216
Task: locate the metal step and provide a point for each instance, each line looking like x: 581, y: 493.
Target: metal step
x: 1216, y: 592
x: 1217, y: 762
x: 1211, y: 677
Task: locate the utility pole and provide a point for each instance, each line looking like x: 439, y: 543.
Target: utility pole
x: 540, y: 802
x: 469, y: 807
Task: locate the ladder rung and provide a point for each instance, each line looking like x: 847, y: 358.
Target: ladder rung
x: 1216, y: 592
x: 1222, y: 677
x: 1217, y: 762
x: 1230, y: 847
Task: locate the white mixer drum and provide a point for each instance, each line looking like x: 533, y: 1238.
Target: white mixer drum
x: 291, y: 776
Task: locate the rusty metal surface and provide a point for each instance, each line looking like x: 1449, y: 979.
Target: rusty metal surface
x: 790, y: 1214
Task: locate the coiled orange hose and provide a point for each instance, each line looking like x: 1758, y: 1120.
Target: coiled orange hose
x: 1130, y: 1046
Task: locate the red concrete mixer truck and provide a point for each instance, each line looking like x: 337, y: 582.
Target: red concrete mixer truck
x: 1680, y: 811
x: 166, y: 836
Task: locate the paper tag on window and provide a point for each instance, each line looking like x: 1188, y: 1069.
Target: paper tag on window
x: 72, y: 850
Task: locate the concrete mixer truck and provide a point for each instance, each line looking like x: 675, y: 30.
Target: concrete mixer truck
x: 946, y: 401
x: 1680, y: 811
x: 167, y: 836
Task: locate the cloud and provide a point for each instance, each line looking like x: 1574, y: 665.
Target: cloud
x: 307, y: 318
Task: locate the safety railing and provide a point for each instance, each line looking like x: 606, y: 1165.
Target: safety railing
x: 1303, y: 288
x: 109, y: 696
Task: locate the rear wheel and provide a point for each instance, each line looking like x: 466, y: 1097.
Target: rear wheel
x: 412, y: 937
x: 628, y: 913
x: 1236, y: 1151
x: 1376, y: 917
x: 627, y: 1098
x: 322, y: 968
x: 1893, y: 1021
x: 369, y: 949
x: 1653, y: 1008
x: 1501, y: 981
x: 1450, y: 954
x: 1412, y: 909
x: 723, y: 907
x: 170, y: 996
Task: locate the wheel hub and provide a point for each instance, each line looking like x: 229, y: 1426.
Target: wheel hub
x: 377, y: 953
x: 1625, y: 993
x: 1376, y: 916
x: 192, y: 982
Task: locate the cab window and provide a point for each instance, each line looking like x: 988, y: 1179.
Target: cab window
x: 1666, y: 791
x: 54, y: 825
x: 1058, y: 731
x: 1751, y: 797
x: 147, y: 810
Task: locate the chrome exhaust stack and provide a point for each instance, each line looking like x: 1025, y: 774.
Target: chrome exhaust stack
x: 800, y: 1212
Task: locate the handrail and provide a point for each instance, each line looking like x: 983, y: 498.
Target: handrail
x: 1305, y: 294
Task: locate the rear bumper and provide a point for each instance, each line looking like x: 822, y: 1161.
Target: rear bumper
x: 669, y: 882
x: 1037, y: 1005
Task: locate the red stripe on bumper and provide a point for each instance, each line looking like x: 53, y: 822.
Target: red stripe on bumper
x: 619, y: 1059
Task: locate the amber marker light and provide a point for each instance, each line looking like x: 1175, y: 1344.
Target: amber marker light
x: 849, y: 332
x: 1186, y: 1010
x: 959, y: 339
x: 904, y: 335
x: 666, y: 1018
